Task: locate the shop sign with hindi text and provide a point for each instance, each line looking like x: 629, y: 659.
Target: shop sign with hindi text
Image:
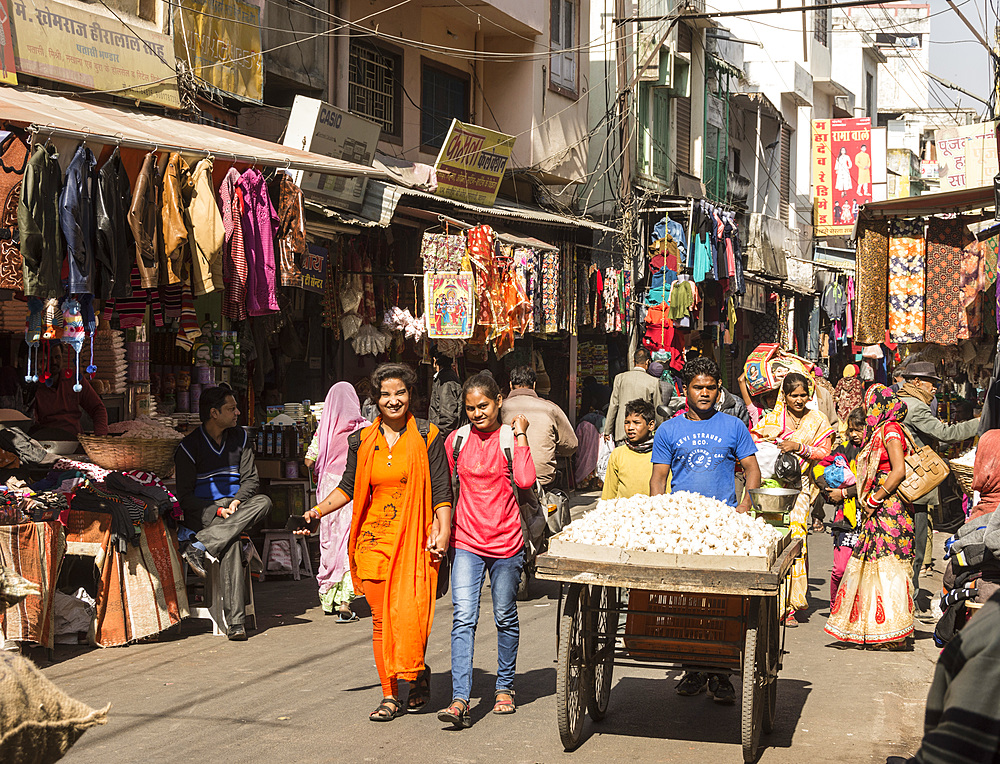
x: 471, y: 163
x: 221, y: 41
x: 842, y: 173
x: 967, y: 155
x: 314, y: 269
x: 82, y: 48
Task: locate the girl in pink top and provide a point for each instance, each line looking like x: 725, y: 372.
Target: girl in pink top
x: 486, y: 538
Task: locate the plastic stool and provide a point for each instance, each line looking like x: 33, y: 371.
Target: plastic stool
x: 213, y: 609
x: 298, y: 548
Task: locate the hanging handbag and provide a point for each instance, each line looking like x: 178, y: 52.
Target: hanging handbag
x: 925, y: 471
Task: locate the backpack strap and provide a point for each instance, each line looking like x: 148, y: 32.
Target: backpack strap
x: 424, y: 428
x: 461, y: 436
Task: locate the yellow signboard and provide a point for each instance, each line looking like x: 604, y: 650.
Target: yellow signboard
x: 220, y: 39
x: 471, y: 163
x: 66, y: 44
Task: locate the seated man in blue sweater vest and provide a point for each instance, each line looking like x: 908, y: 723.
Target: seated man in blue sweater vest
x: 217, y: 486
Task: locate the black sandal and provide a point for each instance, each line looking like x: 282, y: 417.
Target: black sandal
x: 420, y: 691
x: 387, y: 710
x: 457, y: 714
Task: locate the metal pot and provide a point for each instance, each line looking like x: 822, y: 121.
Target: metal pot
x: 773, y: 501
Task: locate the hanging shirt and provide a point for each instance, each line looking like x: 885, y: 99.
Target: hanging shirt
x: 259, y: 222
x: 76, y: 215
x: 234, y: 265
x: 291, y: 232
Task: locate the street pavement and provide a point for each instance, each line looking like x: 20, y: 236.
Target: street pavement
x: 301, y: 689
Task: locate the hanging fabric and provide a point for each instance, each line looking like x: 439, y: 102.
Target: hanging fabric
x: 906, y: 280
x: 872, y: 270
x: 945, y: 241
x: 13, y: 161
x: 291, y: 231
x: 259, y: 222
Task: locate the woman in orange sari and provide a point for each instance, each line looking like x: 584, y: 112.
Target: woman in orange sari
x: 397, y: 475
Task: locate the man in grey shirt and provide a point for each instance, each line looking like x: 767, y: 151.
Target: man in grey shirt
x: 630, y: 385
x: 920, y: 384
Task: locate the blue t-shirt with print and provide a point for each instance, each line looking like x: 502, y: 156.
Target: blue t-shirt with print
x: 703, y: 454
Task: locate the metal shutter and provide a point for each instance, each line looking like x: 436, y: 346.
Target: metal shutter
x: 786, y: 153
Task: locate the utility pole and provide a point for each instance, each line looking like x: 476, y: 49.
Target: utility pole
x: 996, y: 77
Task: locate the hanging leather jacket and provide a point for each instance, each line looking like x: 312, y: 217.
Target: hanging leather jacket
x: 175, y: 232
x: 144, y: 220
x: 114, y: 239
x: 38, y: 223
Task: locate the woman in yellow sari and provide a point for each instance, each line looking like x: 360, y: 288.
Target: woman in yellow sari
x: 806, y: 433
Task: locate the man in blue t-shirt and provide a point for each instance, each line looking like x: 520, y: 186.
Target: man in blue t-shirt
x: 698, y: 449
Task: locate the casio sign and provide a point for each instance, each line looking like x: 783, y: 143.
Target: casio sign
x: 331, y: 118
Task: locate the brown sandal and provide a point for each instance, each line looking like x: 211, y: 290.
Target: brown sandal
x: 387, y: 710
x: 504, y: 707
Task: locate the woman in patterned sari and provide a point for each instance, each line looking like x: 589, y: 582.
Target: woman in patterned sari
x: 874, y: 605
x: 806, y: 433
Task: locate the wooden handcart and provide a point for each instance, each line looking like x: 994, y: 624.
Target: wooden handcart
x: 713, y: 620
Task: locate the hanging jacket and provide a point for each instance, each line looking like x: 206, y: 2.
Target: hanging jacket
x: 114, y: 239
x: 77, y: 219
x: 38, y: 224
x: 206, y: 232
x: 259, y: 222
x: 175, y: 232
x: 144, y: 220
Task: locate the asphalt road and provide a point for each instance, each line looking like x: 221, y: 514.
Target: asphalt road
x: 301, y: 689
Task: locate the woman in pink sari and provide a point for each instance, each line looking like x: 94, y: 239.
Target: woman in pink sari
x: 328, y: 450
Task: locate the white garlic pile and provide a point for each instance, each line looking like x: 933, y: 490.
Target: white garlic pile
x: 676, y: 523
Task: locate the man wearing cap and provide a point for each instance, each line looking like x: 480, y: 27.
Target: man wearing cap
x: 920, y: 383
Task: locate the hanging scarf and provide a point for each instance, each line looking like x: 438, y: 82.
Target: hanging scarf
x: 411, y: 581
x: 341, y: 417
x: 882, y: 406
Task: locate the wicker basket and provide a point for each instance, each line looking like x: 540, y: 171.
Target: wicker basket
x: 111, y: 452
x: 963, y: 474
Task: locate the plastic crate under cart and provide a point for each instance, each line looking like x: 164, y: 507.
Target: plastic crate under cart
x: 675, y: 626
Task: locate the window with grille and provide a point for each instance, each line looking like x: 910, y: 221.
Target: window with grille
x: 564, y: 41
x: 821, y: 23
x: 444, y: 95
x: 374, y: 89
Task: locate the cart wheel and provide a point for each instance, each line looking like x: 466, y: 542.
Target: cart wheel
x: 754, y: 675
x: 571, y: 679
x: 773, y: 643
x: 602, y: 628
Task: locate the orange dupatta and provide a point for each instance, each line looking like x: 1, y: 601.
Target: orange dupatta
x: 412, y: 580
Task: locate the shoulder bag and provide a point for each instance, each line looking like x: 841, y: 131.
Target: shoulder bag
x: 925, y: 471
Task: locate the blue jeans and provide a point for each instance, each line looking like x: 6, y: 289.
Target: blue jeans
x: 467, y: 574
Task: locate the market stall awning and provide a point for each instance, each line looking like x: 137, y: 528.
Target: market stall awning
x: 963, y: 200
x: 382, y: 199
x: 68, y: 118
